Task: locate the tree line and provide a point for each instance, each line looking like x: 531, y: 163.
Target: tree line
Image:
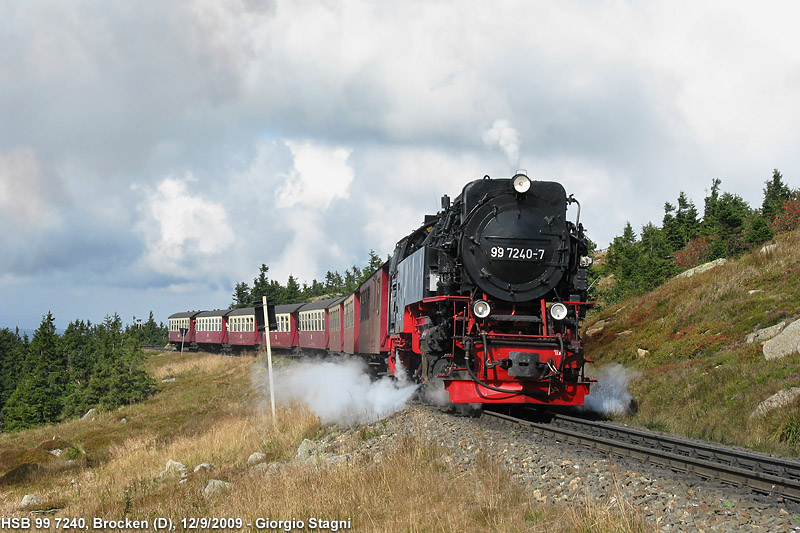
x: 334, y: 284
x: 53, y: 377
x: 728, y: 227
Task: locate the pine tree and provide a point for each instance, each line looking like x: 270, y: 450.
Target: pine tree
x: 263, y: 286
x: 374, y: 263
x: 776, y: 193
x: 292, y: 293
x: 39, y: 395
x: 657, y: 263
x: 12, y: 355
x: 118, y: 377
x: 153, y: 333
x: 623, y: 261
x: 724, y: 222
x: 241, y: 296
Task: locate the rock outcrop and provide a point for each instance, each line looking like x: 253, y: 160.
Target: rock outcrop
x: 702, y: 268
x: 174, y: 468
x: 765, y: 334
x: 596, y: 328
x: 776, y: 401
x: 783, y: 344
x: 216, y: 486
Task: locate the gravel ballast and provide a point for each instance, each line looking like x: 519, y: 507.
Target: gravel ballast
x: 554, y: 472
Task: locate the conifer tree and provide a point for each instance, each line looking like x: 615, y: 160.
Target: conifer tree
x: 38, y: 396
x: 776, y: 193
x: 13, y: 349
x: 241, y: 296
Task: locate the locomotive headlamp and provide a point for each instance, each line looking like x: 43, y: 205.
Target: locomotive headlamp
x: 481, y: 308
x: 558, y: 311
x: 521, y: 183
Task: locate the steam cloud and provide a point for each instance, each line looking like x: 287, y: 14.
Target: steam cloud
x: 339, y: 391
x: 504, y: 136
x: 610, y: 394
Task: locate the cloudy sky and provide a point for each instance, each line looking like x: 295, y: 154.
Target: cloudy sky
x: 153, y: 154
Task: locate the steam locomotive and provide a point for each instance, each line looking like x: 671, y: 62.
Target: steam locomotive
x: 484, y: 299
x: 488, y: 294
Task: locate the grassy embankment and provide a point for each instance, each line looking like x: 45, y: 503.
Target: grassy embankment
x: 110, y: 466
x: 700, y: 378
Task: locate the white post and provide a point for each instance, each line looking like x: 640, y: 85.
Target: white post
x: 269, y: 359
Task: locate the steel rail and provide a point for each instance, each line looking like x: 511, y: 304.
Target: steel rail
x: 760, y: 473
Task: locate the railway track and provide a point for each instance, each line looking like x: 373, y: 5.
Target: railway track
x: 760, y: 473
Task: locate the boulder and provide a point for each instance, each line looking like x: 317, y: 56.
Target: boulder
x: 702, y: 268
x: 174, y: 468
x: 216, y: 486
x: 255, y: 458
x: 765, y: 334
x: 204, y: 467
x: 89, y: 414
x: 306, y: 450
x: 596, y: 328
x: 29, y: 499
x: 783, y: 344
x: 779, y: 399
x: 641, y: 352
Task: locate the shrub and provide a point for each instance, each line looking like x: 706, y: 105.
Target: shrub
x: 694, y: 253
x: 789, y: 218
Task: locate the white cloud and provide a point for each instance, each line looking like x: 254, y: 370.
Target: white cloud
x: 182, y: 230
x: 320, y: 176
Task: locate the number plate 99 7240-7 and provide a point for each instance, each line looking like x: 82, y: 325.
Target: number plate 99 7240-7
x: 514, y: 253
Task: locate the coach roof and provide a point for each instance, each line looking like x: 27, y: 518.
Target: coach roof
x: 184, y: 314
x: 287, y: 308
x: 319, y: 304
x: 242, y: 311
x: 215, y: 312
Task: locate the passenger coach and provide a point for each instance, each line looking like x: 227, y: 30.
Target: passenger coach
x: 178, y: 321
x: 212, y: 329
x: 242, y: 328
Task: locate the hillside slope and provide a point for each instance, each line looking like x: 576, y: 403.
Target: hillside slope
x: 696, y: 374
x: 205, y: 447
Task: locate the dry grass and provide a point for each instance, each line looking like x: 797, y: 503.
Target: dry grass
x: 410, y: 487
x: 700, y: 378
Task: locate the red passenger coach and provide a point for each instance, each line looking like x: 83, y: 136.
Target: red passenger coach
x: 373, y: 297
x: 335, y: 323
x: 178, y: 321
x: 242, y: 330
x: 350, y: 309
x: 286, y: 336
x: 314, y: 324
x: 212, y: 329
